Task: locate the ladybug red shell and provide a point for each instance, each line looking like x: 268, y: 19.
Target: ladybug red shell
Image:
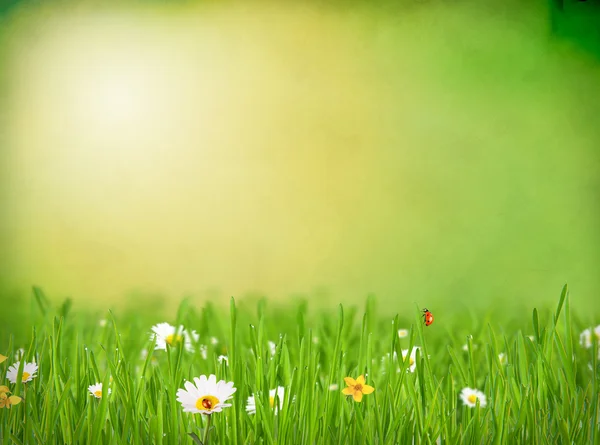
x: 427, y: 317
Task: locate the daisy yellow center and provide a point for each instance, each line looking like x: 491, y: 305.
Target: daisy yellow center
x: 206, y: 403
x: 272, y: 401
x: 25, y: 376
x: 472, y: 398
x: 174, y: 339
x: 98, y: 393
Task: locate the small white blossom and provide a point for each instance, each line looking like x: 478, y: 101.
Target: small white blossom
x: 470, y: 397
x: 585, y: 338
x: 165, y: 334
x: 402, y: 333
x: 96, y: 390
x: 278, y: 393
x: 412, y: 358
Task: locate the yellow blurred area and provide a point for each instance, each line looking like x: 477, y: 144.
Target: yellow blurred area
x: 437, y: 154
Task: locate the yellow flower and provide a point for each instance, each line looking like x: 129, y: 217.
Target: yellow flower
x: 7, y: 401
x: 3, y: 358
x: 356, y: 388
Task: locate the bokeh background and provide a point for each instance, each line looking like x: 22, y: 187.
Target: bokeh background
x: 444, y: 153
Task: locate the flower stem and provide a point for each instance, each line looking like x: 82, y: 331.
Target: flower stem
x: 353, y: 419
x: 206, y: 431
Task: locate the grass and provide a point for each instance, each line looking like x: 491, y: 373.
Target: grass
x: 545, y: 391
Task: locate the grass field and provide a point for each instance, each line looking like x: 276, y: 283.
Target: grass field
x: 439, y: 154
x: 539, y: 377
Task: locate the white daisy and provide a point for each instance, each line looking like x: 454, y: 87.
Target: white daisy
x: 223, y: 358
x: 272, y: 347
x: 585, y: 338
x: 278, y: 392
x: 402, y: 333
x: 502, y: 358
x: 207, y: 396
x: 29, y: 372
x: 96, y: 390
x: 470, y: 397
x: 167, y: 334
x: 412, y: 358
x: 214, y: 340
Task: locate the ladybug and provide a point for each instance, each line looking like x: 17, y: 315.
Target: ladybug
x: 427, y: 317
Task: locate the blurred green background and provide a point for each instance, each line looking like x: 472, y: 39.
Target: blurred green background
x: 439, y: 152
